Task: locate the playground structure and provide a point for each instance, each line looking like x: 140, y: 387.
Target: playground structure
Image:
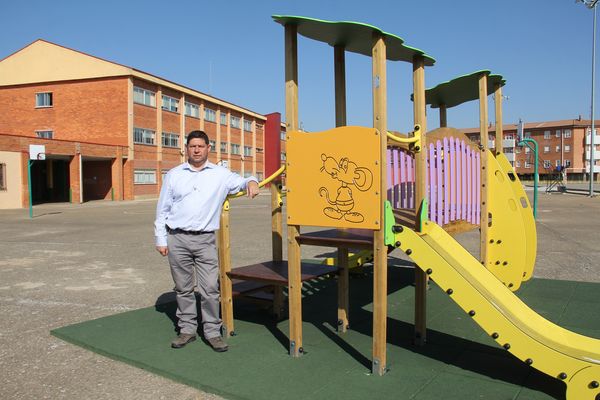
x: 342, y: 179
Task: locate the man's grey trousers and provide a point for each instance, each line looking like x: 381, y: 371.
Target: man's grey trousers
x: 186, y: 254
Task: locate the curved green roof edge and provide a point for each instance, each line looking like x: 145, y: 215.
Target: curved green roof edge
x: 354, y: 36
x: 461, y: 89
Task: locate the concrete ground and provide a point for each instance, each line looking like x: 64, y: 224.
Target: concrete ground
x: 73, y: 263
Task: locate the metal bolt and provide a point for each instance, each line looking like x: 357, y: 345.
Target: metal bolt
x: 472, y: 313
x: 562, y: 376
x: 300, y: 350
x: 449, y: 291
x: 397, y: 244
x: 506, y: 346
x: 340, y: 322
x: 232, y: 333
x: 429, y: 271
x: 594, y: 384
x: 408, y: 252
x: 397, y: 228
x: 495, y: 335
x: 529, y: 361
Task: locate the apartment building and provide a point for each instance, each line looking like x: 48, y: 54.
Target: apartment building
x: 564, y: 143
x: 109, y: 131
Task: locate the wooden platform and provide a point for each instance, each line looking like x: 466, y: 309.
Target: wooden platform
x: 340, y: 238
x: 276, y: 272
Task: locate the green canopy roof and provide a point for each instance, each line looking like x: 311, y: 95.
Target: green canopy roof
x: 460, y: 90
x: 356, y: 37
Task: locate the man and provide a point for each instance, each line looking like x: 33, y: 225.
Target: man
x: 187, y: 216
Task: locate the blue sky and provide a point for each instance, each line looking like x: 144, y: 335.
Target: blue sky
x: 234, y: 51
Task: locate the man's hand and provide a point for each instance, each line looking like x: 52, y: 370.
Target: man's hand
x: 163, y: 250
x: 252, y: 189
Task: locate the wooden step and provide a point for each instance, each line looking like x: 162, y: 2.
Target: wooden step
x: 276, y: 272
x: 346, y: 238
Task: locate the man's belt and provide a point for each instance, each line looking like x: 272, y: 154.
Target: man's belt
x: 184, y: 232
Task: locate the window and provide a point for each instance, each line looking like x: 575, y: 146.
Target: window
x: 223, y: 118
x: 259, y: 150
x: 170, y: 139
x: 527, y: 150
x: 247, y: 151
x: 235, y: 148
x: 223, y: 147
x: 282, y: 135
x: 210, y: 115
x: 557, y: 163
x: 45, y: 134
x: 144, y: 177
x: 143, y: 136
x: 247, y: 174
x: 567, y: 133
x: 259, y: 176
x: 2, y: 176
x: 235, y: 122
x: 247, y: 125
x: 213, y: 147
x: 259, y: 127
x: 518, y: 163
x: 143, y: 96
x: 547, y: 164
x: 283, y: 156
x: 170, y: 103
x: 547, y: 134
x: 191, y: 109
x: 528, y: 135
x: 527, y: 164
x: 567, y: 148
x: 558, y: 149
x: 567, y: 163
x: 546, y: 149
x: 43, y: 99
x: 558, y: 133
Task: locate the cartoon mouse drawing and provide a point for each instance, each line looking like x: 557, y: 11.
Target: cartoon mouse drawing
x: 349, y: 174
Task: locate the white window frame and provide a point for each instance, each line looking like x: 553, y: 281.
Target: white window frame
x: 557, y: 133
x: 248, y: 151
x: 210, y: 115
x: 234, y: 148
x: 567, y: 148
x: 213, y: 147
x: 247, y: 125
x: 282, y: 135
x: 223, y: 147
x: 170, y: 103
x: 223, y: 118
x: 192, y: 110
x: 144, y: 96
x: 170, y: 140
x: 547, y: 134
x: 547, y: 164
x: 558, y: 148
x: 567, y: 133
x: 45, y: 134
x: 144, y: 136
x: 567, y: 163
x: 144, y: 177
x: 44, y: 100
x: 234, y: 121
x: 546, y: 149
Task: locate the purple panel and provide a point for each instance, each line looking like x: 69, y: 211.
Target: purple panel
x: 410, y: 178
x: 478, y: 193
x: 469, y: 184
x: 389, y: 171
x: 446, y: 181
x: 440, y: 182
x: 463, y: 180
x: 403, y: 202
x: 452, y: 157
x: 396, y: 180
x: 432, y: 185
x: 475, y: 187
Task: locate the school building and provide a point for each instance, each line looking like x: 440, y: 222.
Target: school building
x: 564, y: 143
x: 111, y: 131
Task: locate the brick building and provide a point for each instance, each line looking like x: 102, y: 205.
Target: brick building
x: 563, y: 143
x: 109, y: 131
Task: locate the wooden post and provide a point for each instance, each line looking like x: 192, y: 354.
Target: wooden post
x: 483, y: 126
x: 339, y: 61
x: 224, y: 268
x: 499, y: 129
x: 379, y: 82
x: 443, y: 116
x: 291, y: 119
x: 421, y: 278
x: 277, y: 243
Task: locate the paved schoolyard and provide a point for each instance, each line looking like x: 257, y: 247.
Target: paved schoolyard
x: 73, y: 263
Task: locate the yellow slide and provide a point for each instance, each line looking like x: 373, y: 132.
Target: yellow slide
x: 555, y: 351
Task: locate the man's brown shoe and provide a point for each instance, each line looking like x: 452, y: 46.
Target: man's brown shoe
x: 182, y: 340
x: 217, y: 344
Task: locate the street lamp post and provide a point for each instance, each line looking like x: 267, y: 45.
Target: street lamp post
x: 591, y: 4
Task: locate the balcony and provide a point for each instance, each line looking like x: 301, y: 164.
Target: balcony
x: 596, y: 155
x: 508, y: 143
x: 589, y: 137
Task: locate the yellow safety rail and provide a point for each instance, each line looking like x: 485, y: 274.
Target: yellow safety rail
x: 414, y: 142
x: 260, y: 184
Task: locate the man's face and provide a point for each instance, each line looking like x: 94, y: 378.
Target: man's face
x: 197, y: 150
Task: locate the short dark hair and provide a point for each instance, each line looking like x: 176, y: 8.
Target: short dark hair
x: 197, y: 135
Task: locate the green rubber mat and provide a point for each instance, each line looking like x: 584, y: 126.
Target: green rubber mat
x: 458, y: 362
